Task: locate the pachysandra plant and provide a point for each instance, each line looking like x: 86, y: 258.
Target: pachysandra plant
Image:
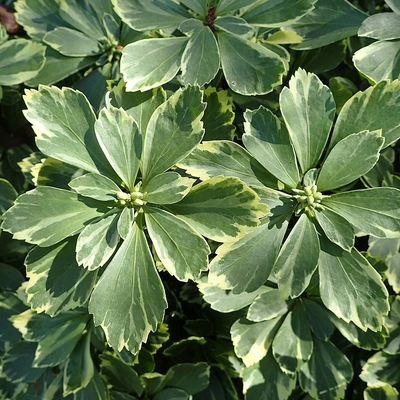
x: 124, y: 191
x: 200, y: 37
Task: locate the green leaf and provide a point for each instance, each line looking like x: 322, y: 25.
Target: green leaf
x: 326, y: 375
x: 380, y: 369
x: 277, y: 15
x: 125, y: 222
x: 10, y: 278
x: 225, y: 6
x: 226, y: 301
x: 148, y: 63
x: 182, y: 251
x: 293, y: 344
x: 351, y: 288
x: 121, y: 142
x: 222, y: 209
x: 192, y: 378
x: 144, y: 15
x: 72, y: 43
x: 56, y: 282
x: 249, y: 68
x: 246, y: 264
x: 381, y: 26
x: 336, y: 228
x: 166, y: 188
x: 129, y: 300
x: 351, y: 158
x: 308, y: 109
x: 97, y: 242
x: 79, y: 368
x: 200, y: 6
x: 373, y: 211
x: 329, y: 22
x: 318, y: 319
x: 66, y: 133
x: 298, y: 258
x: 364, y: 111
x: 10, y: 304
x: 267, y: 139
x: 96, y: 389
x: 252, y: 340
x: 200, y: 60
x: 47, y: 215
x: 236, y: 25
x: 173, y: 131
x: 120, y: 375
x: 7, y: 195
x: 214, y: 158
x: 20, y: 60
x: 266, y: 380
x: 171, y: 394
x: 393, y: 5
x: 268, y: 305
x: 384, y: 392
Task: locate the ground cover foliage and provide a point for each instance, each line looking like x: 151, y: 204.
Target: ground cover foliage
x: 199, y: 199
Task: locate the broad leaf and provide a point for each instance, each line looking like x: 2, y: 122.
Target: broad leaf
x: 97, y: 242
x: 267, y: 139
x: 385, y: 392
x: 326, y: 375
x: 166, y: 188
x: 308, y: 109
x: 200, y: 60
x: 148, y: 63
x: 298, y: 258
x: 329, y: 22
x: 144, y: 15
x: 266, y: 380
x: 20, y: 60
x: 246, y: 264
x: 351, y: 288
x: 182, y: 251
x: 129, y: 301
x: 249, y: 68
x: 7, y: 195
x: 173, y: 131
x: 268, y: 305
x: 318, y: 319
x: 95, y: 186
x: 336, y: 228
x: 223, y: 157
x: 121, y: 142
x: 47, y: 215
x: 72, y: 43
x: 236, y: 25
x: 381, y: 26
x: 278, y: 14
x: 79, y: 368
x: 252, y: 340
x: 222, y: 209
x: 393, y: 5
x: 200, y: 6
x: 56, y: 282
x: 66, y: 133
x: 293, y: 344
x: 351, y: 158
x: 380, y: 369
x: 225, y: 6
x: 364, y: 111
x: 125, y: 222
x: 373, y: 211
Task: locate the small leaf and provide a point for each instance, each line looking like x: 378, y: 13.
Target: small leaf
x: 373, y: 211
x: 222, y: 209
x: 308, y: 109
x: 327, y: 373
x: 225, y: 6
x: 200, y: 60
x: 268, y: 305
x: 381, y: 369
x: 182, y: 251
x: 351, y: 288
x: 267, y: 139
x: 167, y: 188
x: 174, y: 130
x: 47, y: 215
x: 129, y: 300
x: 236, y: 25
x: 121, y: 142
x: 252, y: 340
x: 298, y: 258
x: 95, y: 186
x: 7, y: 195
x: 318, y: 318
x: 246, y: 264
x: 148, y: 63
x: 249, y: 68
x: 385, y: 392
x: 351, y: 158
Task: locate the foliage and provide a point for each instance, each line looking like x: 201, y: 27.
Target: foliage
x: 199, y: 199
